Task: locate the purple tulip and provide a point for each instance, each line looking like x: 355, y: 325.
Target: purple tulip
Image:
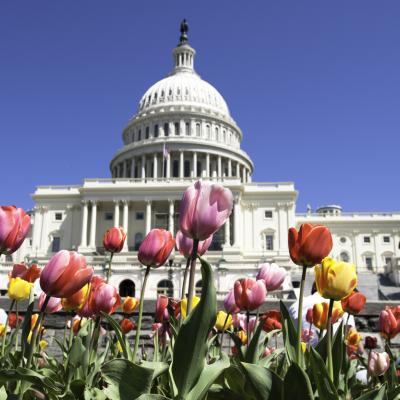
x: 184, y: 244
x: 272, y: 274
x: 204, y: 209
x: 230, y: 303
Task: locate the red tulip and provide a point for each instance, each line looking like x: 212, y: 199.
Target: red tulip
x: 53, y: 305
x: 310, y: 245
x: 249, y: 293
x: 14, y: 226
x: 156, y: 248
x: 371, y: 342
x: 65, y: 274
x: 127, y: 325
x: 309, y: 315
x: 184, y: 244
x: 204, y: 209
x: 12, y: 320
x: 387, y: 323
x: 230, y: 303
x: 272, y: 274
x: 272, y: 320
x: 161, y: 309
x: 114, y: 239
x: 104, y: 298
x: 29, y: 274
x: 354, y: 303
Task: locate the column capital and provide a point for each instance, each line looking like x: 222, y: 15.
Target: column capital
x: 117, y: 202
x: 85, y: 202
x: 94, y: 202
x: 125, y: 202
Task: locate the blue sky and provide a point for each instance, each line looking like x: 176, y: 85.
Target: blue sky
x: 314, y: 85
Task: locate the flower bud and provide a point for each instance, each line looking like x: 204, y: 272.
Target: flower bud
x: 114, y: 239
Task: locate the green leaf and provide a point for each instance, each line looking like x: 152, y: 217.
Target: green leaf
x: 207, y: 377
x: 326, y: 388
x: 390, y: 374
x: 26, y: 328
x: 94, y: 394
x: 77, y: 352
x: 158, y: 367
x: 266, y: 384
x: 152, y: 397
x: 234, y: 379
x: 289, y: 333
x: 125, y: 380
x: 377, y: 394
x: 296, y: 385
x: 238, y: 344
x: 338, y: 349
x: 189, y: 356
x: 252, y: 349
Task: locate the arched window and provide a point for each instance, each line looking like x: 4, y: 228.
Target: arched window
x: 166, y: 129
x: 187, y: 129
x: 155, y: 130
x: 138, y: 240
x: 127, y: 288
x: 198, y: 288
x: 147, y: 132
x: 165, y: 287
x: 344, y: 256
x: 208, y: 132
x: 139, y: 136
x: 217, y: 134
x: 177, y: 128
x: 198, y: 132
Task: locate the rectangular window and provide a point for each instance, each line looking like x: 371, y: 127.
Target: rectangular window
x: 268, y: 214
x: 367, y: 239
x: 177, y: 128
x: 108, y: 216
x: 155, y: 130
x: 58, y: 216
x: 140, y: 215
x: 55, y: 245
x: 386, y: 239
x: 388, y: 260
x: 147, y: 132
x: 269, y: 242
x: 368, y: 262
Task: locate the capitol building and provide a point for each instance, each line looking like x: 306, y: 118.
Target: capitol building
x: 183, y: 131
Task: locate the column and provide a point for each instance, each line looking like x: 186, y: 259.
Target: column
x: 116, y: 213
x: 124, y: 169
x: 168, y: 165
x: 155, y: 165
x: 236, y: 223
x: 148, y: 216
x: 355, y: 254
x: 125, y: 222
x: 243, y: 174
x: 377, y: 258
x: 133, y: 167
x: 92, y: 241
x: 227, y: 233
x: 181, y: 164
x: 171, y: 216
x: 219, y: 167
x: 143, y: 167
x: 44, y: 242
x: 84, y: 224
x: 229, y: 167
x: 194, y: 169
x: 36, y: 228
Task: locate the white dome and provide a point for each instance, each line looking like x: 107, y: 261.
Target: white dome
x: 183, y: 88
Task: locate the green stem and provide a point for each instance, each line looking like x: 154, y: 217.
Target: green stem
x: 139, y: 324
x: 3, y: 344
x: 329, y: 340
x: 300, y: 313
x: 109, y: 267
x: 192, y: 276
x: 247, y: 326
x: 185, y: 276
x: 95, y: 339
x: 16, y: 326
x: 223, y: 331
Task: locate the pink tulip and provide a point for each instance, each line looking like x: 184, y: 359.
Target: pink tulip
x: 53, y: 305
x: 378, y: 363
x: 272, y: 274
x: 204, y: 209
x: 65, y: 274
x: 156, y: 248
x: 104, y: 298
x: 249, y: 293
x: 388, y: 323
x: 162, y: 313
x: 230, y: 304
x: 239, y: 321
x: 14, y: 226
x: 114, y: 239
x: 268, y: 351
x: 184, y: 244
x: 309, y: 315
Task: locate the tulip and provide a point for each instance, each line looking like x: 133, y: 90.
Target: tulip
x: 371, y: 342
x: 104, y: 298
x: 354, y: 303
x: 387, y: 323
x: 65, y: 274
x: 239, y: 321
x: 335, y: 279
x: 162, y: 313
x: 309, y: 315
x: 204, y: 209
x: 242, y: 335
x: 353, y: 338
x: 14, y: 226
x: 52, y: 306
x: 114, y: 239
x: 77, y: 300
x: 378, y: 363
x: 272, y: 274
x: 267, y: 352
x: 230, y: 303
x: 156, y: 248
x: 249, y: 293
x: 18, y: 289
x: 129, y: 305
x: 126, y: 325
x: 2, y: 330
x: 320, y: 314
x: 272, y: 320
x: 310, y: 245
x: 184, y: 302
x: 13, y: 320
x: 184, y: 244
x: 29, y: 274
x: 307, y: 335
x: 223, y: 321
x: 77, y: 324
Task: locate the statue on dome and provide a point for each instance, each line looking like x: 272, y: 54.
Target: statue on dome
x: 184, y: 30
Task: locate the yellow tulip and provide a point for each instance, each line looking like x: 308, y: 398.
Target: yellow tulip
x: 353, y: 338
x: 335, y: 279
x: 43, y: 344
x: 320, y: 313
x: 77, y: 300
x: 18, y: 289
x: 223, y: 321
x: 242, y: 335
x: 119, y: 347
x: 303, y: 347
x: 195, y: 301
x: 2, y: 330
